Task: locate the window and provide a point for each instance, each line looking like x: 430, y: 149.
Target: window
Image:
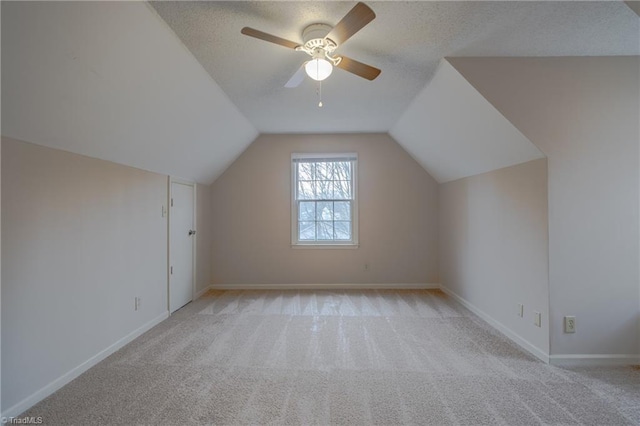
x: 324, y: 205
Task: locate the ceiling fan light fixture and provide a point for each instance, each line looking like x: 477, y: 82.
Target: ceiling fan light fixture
x: 318, y: 69
x: 320, y: 42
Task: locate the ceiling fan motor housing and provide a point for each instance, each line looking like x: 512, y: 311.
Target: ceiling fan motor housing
x: 315, y: 43
x: 315, y: 31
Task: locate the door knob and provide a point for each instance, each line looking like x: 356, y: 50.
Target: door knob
x: 192, y: 232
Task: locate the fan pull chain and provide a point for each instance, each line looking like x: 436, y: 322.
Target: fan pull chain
x: 319, y: 91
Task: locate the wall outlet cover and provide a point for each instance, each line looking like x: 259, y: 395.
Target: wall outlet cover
x: 570, y: 324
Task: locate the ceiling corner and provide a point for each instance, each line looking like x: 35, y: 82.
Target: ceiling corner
x: 454, y: 132
x: 634, y: 5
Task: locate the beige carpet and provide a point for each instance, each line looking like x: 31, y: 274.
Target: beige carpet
x: 348, y: 357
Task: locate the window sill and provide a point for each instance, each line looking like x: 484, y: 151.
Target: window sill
x: 325, y: 246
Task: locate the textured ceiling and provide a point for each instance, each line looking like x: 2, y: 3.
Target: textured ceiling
x: 407, y: 40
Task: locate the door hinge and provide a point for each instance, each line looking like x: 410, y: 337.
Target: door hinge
x: 172, y: 202
x: 171, y: 269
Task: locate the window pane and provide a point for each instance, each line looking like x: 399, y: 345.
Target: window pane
x: 305, y: 171
x: 342, y: 170
x: 324, y: 171
x: 307, y: 210
x: 342, y: 210
x: 324, y: 230
x: 324, y: 210
x: 324, y: 190
x: 342, y: 190
x: 305, y: 190
x: 343, y: 230
x: 307, y: 231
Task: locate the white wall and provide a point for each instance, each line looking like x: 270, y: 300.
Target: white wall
x: 583, y: 114
x: 251, y: 219
x: 203, y: 237
x: 80, y: 239
x: 493, y: 248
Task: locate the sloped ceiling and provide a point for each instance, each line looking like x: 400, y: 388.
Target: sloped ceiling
x: 406, y: 41
x: 453, y: 132
x: 185, y: 93
x: 546, y: 115
x: 110, y: 80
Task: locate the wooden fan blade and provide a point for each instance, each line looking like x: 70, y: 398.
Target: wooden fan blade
x: 353, y: 22
x: 268, y: 37
x: 296, y: 79
x: 358, y: 68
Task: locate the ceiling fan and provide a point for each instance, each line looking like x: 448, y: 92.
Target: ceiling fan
x: 321, y: 41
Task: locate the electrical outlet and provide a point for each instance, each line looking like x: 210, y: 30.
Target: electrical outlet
x: 138, y: 302
x: 520, y: 310
x: 366, y: 266
x: 569, y: 324
x: 537, y: 319
x: 164, y: 211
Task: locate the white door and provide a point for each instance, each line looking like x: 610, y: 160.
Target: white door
x: 182, y: 244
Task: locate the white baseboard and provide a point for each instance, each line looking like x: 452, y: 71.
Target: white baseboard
x: 47, y: 390
x: 516, y: 338
x: 201, y: 292
x: 589, y: 360
x: 337, y: 286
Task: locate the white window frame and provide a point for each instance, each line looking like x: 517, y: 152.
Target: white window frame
x: 333, y: 244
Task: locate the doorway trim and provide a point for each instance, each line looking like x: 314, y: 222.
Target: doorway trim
x: 194, y: 241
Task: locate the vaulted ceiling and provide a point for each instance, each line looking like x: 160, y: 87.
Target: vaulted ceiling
x: 173, y: 87
x: 406, y: 41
